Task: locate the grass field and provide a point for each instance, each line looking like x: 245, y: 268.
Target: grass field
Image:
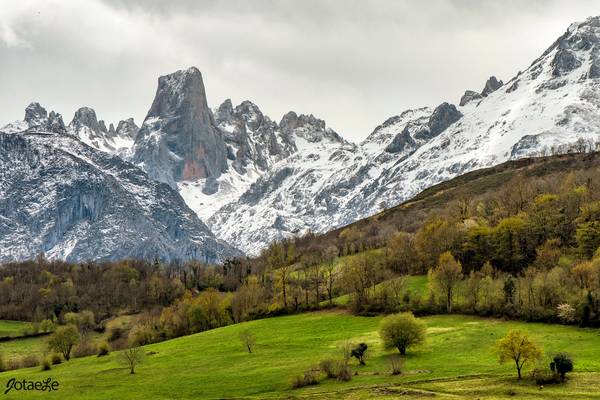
x: 415, y: 284
x: 13, y: 328
x: 456, y: 361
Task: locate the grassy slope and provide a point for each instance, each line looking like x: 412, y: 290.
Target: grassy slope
x: 12, y: 328
x: 456, y: 360
x: 415, y: 284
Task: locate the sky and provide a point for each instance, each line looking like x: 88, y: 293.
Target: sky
x: 352, y: 63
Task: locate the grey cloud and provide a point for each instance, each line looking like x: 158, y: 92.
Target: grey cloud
x: 353, y: 63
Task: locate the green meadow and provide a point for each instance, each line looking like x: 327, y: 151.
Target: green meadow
x: 457, y: 361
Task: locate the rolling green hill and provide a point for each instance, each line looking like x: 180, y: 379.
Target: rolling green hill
x: 457, y: 361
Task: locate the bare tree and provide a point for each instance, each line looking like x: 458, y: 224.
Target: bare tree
x: 248, y: 340
x: 132, y: 357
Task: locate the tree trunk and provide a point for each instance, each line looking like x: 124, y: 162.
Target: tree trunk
x: 402, y: 350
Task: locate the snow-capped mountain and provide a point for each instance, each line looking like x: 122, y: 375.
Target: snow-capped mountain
x: 37, y: 118
x: 71, y: 201
x: 552, y: 104
x: 86, y: 126
x: 253, y: 180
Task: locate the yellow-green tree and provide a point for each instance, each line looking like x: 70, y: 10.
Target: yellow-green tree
x: 400, y: 331
x: 445, y: 277
x: 517, y: 347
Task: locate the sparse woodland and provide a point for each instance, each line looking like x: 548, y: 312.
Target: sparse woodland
x: 518, y: 241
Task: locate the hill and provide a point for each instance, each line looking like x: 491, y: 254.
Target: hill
x: 464, y: 191
x: 214, y: 364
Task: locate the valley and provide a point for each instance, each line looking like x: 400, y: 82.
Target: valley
x: 457, y: 361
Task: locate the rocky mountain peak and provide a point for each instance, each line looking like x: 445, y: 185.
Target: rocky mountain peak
x: 127, y: 128
x: 251, y: 114
x: 178, y: 140
x: 491, y: 85
x: 224, y: 112
x: 468, y: 97
x: 86, y: 117
x: 308, y: 127
x: 35, y: 114
x: 36, y: 117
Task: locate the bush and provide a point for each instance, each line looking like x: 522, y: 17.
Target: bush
x: 116, y: 332
x: 310, y: 377
x: 46, y: 364
x: 401, y: 331
x: 543, y: 376
x: 343, y: 371
x: 86, y: 348
x: 328, y: 367
x: 55, y: 358
x: 561, y: 364
x: 360, y: 353
x: 396, y: 364
x: 103, y: 349
x: 29, y: 361
x: 336, y: 369
x: 14, y: 363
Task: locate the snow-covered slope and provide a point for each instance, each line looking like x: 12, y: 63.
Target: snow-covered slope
x: 70, y: 201
x: 254, y: 180
x: 89, y: 130
x: 84, y: 125
x: 551, y: 106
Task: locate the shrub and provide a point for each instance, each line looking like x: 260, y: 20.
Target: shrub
x: 396, y: 364
x: 360, y: 353
x: 561, y: 364
x: 46, y: 365
x: 566, y: 313
x: 55, y: 358
x: 543, y: 376
x: 401, y: 331
x: 328, y: 367
x: 336, y: 369
x: 86, y: 348
x: 310, y: 377
x: 103, y: 349
x: 29, y: 361
x: 115, y: 333
x: 343, y: 372
x: 46, y: 326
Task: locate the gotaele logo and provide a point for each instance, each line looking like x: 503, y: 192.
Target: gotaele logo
x: 47, y: 385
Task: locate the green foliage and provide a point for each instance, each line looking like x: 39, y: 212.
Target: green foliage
x: 64, y: 339
x: 518, y: 348
x: 445, y: 277
x: 561, y: 364
x: 402, y: 331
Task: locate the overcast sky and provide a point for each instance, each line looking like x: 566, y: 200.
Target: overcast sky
x: 352, y: 63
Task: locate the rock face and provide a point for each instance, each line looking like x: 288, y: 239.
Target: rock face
x: 178, y: 140
x: 468, y: 97
x: 93, y: 132
x: 491, y: 86
x: 70, y: 201
x: 127, y: 129
x: 37, y: 118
